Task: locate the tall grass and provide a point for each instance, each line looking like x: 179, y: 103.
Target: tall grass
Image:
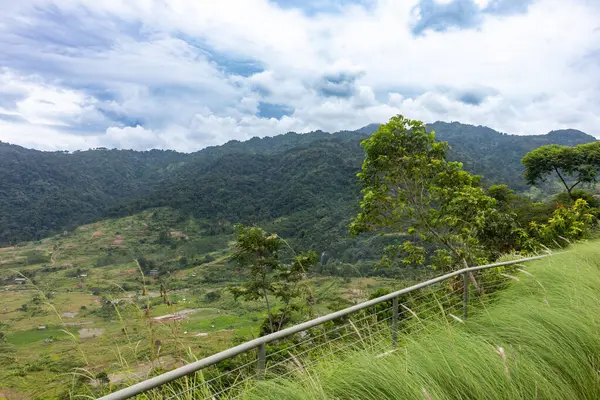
x: 539, y: 340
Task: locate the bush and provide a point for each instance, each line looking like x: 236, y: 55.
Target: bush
x: 212, y: 296
x: 36, y: 257
x: 566, y: 225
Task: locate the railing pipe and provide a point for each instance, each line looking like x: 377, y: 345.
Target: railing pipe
x: 253, y: 344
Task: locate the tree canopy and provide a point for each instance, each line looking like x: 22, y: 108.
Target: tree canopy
x: 258, y: 253
x: 411, y: 189
x: 573, y: 165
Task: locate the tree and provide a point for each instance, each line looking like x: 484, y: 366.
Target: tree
x: 411, y: 189
x: 212, y: 296
x: 259, y: 254
x: 572, y: 165
x: 503, y: 195
x: 499, y: 233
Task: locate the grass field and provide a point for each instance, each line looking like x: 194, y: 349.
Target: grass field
x: 71, y: 277
x: 539, y: 340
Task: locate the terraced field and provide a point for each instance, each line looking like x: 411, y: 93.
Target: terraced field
x: 87, y: 306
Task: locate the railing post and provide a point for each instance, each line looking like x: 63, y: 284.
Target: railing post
x: 465, y: 294
x: 261, y: 365
x: 394, y: 322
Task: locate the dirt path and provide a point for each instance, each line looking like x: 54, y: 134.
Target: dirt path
x: 177, y: 315
x: 53, y: 256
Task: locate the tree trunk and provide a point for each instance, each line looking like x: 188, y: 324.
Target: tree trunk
x: 565, y: 183
x: 267, y: 302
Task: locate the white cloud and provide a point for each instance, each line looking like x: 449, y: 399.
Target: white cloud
x: 45, y: 104
x: 42, y: 137
x: 482, y: 3
x: 53, y: 107
x: 135, y: 138
x: 167, y: 77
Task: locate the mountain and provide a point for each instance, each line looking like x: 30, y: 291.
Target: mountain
x: 301, y: 185
x: 497, y: 156
x: 44, y: 192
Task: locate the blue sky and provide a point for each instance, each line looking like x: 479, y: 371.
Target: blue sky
x: 186, y: 74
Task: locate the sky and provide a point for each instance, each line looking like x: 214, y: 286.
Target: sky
x: 186, y: 74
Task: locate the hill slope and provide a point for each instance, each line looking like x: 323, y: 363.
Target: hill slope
x: 258, y: 180
x: 538, y: 340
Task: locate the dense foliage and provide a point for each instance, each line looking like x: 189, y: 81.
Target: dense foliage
x: 573, y: 165
x: 302, y: 185
x: 42, y: 193
x: 411, y: 189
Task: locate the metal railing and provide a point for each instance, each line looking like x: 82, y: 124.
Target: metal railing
x: 454, y: 300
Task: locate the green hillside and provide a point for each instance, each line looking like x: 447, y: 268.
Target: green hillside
x: 539, y: 340
x: 87, y: 291
x: 137, y: 277
x: 260, y: 180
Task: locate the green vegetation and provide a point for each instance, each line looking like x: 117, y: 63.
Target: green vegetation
x: 309, y: 195
x: 410, y: 189
x: 538, y: 340
x: 98, y: 306
x: 23, y: 338
x: 573, y: 165
x: 268, y: 278
x: 160, y: 276
x: 441, y: 213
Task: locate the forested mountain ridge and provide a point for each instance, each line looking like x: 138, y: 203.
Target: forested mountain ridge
x: 295, y: 179
x: 44, y: 192
x: 497, y: 156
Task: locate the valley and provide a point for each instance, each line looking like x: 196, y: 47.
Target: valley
x: 289, y: 200
x: 81, y: 301
x: 116, y: 265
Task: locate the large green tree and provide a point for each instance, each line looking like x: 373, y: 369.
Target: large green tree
x: 268, y: 277
x: 573, y: 165
x: 409, y: 188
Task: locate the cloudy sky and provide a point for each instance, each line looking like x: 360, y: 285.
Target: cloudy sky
x: 185, y: 74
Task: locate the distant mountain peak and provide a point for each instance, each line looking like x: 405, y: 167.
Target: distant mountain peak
x: 369, y: 129
x: 570, y: 134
